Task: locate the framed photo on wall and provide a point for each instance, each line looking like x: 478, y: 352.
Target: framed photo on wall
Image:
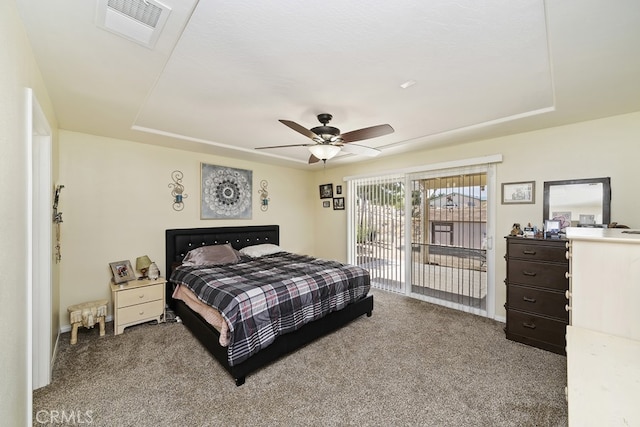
x: 338, y: 203
x: 518, y: 192
x: 326, y: 191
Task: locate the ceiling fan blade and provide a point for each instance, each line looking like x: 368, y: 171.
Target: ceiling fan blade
x: 366, y: 133
x: 313, y: 159
x: 361, y: 150
x: 300, y: 129
x: 284, y: 146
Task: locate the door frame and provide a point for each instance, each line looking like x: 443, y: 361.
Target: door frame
x: 39, y: 243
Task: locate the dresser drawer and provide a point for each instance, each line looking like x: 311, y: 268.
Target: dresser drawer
x: 536, y: 328
x: 535, y: 251
x: 140, y: 295
x: 140, y: 312
x: 538, y: 301
x: 545, y: 275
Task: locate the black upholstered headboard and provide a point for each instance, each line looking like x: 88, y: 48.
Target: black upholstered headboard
x: 180, y: 241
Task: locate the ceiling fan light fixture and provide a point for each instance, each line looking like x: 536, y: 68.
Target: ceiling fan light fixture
x: 324, y: 151
x: 326, y: 133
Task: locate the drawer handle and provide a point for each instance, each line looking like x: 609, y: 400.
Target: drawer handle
x: 529, y: 252
x: 141, y: 296
x: 529, y: 273
x: 529, y: 325
x: 527, y: 299
x: 141, y: 313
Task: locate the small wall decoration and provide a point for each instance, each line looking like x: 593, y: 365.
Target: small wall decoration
x: 518, y: 192
x: 338, y: 189
x: 326, y: 191
x: 226, y: 192
x: 264, y: 195
x: 57, y: 220
x: 122, y: 271
x: 177, y: 190
x: 338, y: 203
x: 326, y: 204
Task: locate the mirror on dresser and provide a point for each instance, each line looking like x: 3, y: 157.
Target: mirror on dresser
x: 578, y: 202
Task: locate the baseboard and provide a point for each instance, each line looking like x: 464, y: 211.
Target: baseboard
x: 500, y: 319
x: 67, y: 328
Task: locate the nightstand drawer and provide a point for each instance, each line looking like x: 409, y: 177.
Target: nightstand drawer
x: 140, y: 312
x: 140, y: 295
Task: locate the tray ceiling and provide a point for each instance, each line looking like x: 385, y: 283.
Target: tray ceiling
x: 221, y: 74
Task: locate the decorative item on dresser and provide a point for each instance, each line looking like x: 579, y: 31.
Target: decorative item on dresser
x: 136, y: 302
x: 537, y: 282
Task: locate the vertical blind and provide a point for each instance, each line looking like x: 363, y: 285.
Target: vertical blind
x: 424, y: 233
x: 448, y: 239
x: 376, y: 218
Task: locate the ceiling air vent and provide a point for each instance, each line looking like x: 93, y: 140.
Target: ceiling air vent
x: 137, y: 20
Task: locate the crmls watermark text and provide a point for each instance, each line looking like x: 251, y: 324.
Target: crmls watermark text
x: 64, y: 417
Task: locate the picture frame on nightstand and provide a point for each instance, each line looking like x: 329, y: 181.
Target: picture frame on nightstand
x: 122, y: 271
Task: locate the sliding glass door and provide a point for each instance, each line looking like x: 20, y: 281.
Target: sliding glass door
x: 378, y: 229
x: 449, y: 240
x: 424, y: 234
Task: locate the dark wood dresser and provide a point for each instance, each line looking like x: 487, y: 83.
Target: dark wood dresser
x: 537, y: 282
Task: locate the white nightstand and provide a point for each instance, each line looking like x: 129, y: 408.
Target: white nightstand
x: 137, y: 301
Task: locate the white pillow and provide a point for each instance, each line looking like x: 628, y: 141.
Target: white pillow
x: 260, y: 250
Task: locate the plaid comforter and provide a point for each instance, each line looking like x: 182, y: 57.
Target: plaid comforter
x: 262, y: 298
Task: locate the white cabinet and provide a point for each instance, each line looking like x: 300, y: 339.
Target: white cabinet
x: 603, y: 336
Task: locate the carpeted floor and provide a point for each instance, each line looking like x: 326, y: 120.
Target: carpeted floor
x: 410, y: 364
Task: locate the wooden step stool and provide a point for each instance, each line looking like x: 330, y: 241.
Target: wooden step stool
x: 87, y: 314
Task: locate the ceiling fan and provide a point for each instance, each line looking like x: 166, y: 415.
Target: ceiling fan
x: 328, y: 141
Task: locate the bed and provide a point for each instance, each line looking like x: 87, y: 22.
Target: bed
x: 180, y: 241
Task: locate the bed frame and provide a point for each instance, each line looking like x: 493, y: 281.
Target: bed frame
x: 180, y: 241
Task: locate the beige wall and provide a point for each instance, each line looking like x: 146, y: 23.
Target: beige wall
x: 117, y: 202
x: 599, y: 148
x: 117, y: 205
x: 18, y: 71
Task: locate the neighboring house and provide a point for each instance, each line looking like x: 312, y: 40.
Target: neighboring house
x: 458, y: 220
x: 453, y: 200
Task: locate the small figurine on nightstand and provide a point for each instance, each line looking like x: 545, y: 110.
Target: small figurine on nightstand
x: 516, y: 231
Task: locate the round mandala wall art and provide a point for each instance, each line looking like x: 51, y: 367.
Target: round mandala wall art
x: 226, y: 192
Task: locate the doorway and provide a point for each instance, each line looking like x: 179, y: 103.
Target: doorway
x: 39, y: 264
